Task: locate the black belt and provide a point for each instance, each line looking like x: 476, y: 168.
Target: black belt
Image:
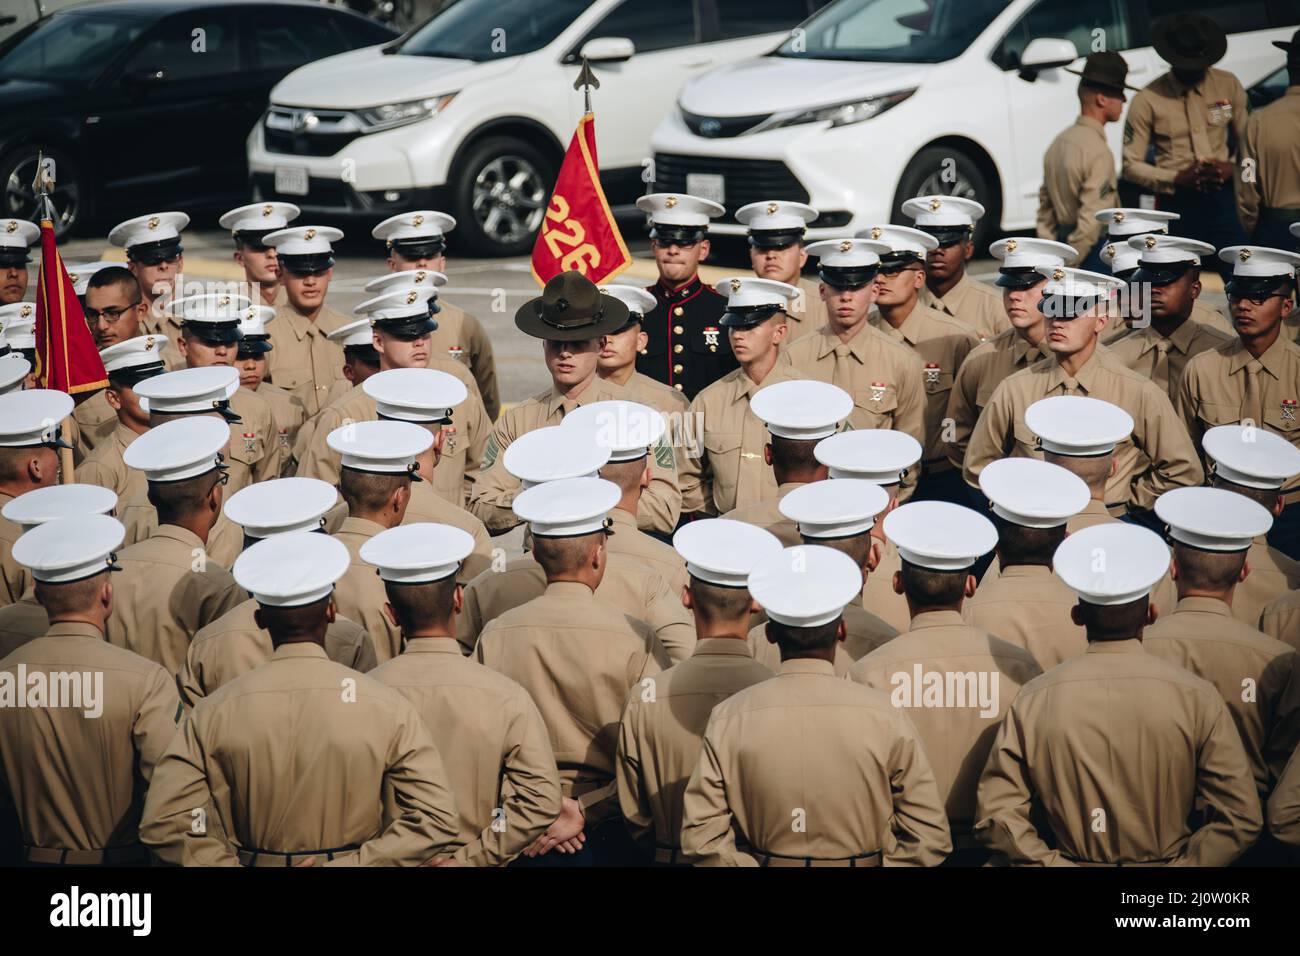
x: 1279, y: 214
x: 109, y: 856
x: 1081, y: 862
x: 255, y: 857
x: 773, y: 859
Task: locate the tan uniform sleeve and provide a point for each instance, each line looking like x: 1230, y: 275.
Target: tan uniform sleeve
x: 495, y: 488
x: 632, y: 798
x: 271, y: 464
x: 909, y: 416
x: 1248, y: 195
x: 672, y: 624
x: 1284, y: 804
x: 1234, y: 819
x: 478, y: 560
x: 483, y: 363
x: 188, y: 681
x: 1163, y: 439
x: 319, y: 460
x: 1282, y: 689
x: 1137, y: 140
x: 1004, y: 803
x: 1096, y: 191
x: 962, y: 412
x: 469, y: 622
x: 661, y: 503
x: 471, y: 416
x: 155, y: 720
x: 708, y: 827
x: 920, y: 823
x: 1045, y: 224
x: 990, y: 439
x: 530, y: 791
x: 695, y: 477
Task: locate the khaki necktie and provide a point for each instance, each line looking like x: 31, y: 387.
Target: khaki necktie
x: 1197, y: 117
x: 1252, y: 402
x: 1160, y: 371
x: 842, y: 377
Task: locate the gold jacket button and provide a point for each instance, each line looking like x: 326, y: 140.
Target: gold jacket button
x: 677, y: 370
x: 678, y: 330
x: 677, y: 311
x: 713, y: 348
x: 678, y: 347
x: 678, y: 386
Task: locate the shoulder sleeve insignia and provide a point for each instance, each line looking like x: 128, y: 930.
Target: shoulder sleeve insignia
x: 664, y: 455
x: 490, y: 453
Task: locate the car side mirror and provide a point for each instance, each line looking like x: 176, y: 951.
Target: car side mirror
x: 143, y: 77
x: 608, y: 50
x: 1045, y: 53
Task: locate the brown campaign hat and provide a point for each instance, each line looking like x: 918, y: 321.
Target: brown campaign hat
x: 1292, y: 49
x: 1106, y: 70
x: 1188, y: 41
x: 570, y: 309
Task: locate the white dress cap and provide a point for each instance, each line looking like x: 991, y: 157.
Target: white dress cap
x: 1026, y: 253
x: 628, y: 429
x: 407, y: 279
x: 40, y: 505
x: 253, y: 320
x: 879, y: 455
x: 902, y: 240
x: 422, y: 395
x: 847, y: 253
x: 553, y: 454
x: 259, y: 217
x: 31, y: 417
x: 775, y: 215
x: 637, y: 300
x: 722, y: 551
x: 388, y: 448
x: 1033, y: 493
x: 1259, y: 261
x: 418, y: 553
x: 360, y: 332
x: 835, y: 509
x: 82, y: 273
x: 69, y: 549
x: 420, y: 224
x: 678, y: 209
x: 1121, y: 222
x: 209, y: 307
x: 14, y: 369
x: 188, y: 390
x: 155, y: 227
x: 133, y: 353
x: 18, y: 319
x: 748, y: 292
x: 1213, y: 519
x: 803, y: 410
x: 1120, y: 256
x: 292, y: 570
x: 567, y: 507
x: 805, y: 586
x: 1155, y: 248
x: 1078, y: 283
x: 398, y: 304
x: 1113, y: 563
x: 18, y: 234
x: 939, y: 535
x: 304, y: 240
x: 1078, y: 426
x: 179, y: 449
x: 1254, y: 457
x: 943, y: 211
x: 280, y: 506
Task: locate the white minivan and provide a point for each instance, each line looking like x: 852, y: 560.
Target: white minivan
x: 472, y: 111
x: 871, y: 102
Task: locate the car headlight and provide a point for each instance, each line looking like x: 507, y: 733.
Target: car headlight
x: 840, y: 114
x: 400, y: 114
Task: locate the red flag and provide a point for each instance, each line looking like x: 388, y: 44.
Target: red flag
x: 579, y: 231
x: 66, y: 357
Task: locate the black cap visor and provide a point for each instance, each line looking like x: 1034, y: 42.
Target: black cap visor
x: 214, y: 333
x: 411, y: 327
x: 308, y: 265
x: 847, y: 277
x: 254, y: 345
x: 133, y: 375
x: 774, y: 238
x: 13, y: 258
x: 749, y: 316
x: 1162, y: 273
x: 252, y: 238
x: 948, y: 235
x: 1020, y: 277
x: 677, y: 235
x: 1244, y: 286
x: 418, y: 248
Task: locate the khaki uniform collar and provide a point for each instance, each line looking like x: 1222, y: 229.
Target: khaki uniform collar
x: 569, y: 589
x: 433, y: 645
x: 1026, y: 571
x: 624, y: 519
x: 1087, y: 376
x: 1087, y: 122
x: 299, y: 649
x: 124, y: 436
x: 1020, y: 350
x: 807, y: 665
x: 1206, y: 605
x: 1271, y: 359
x: 1181, y: 339
x: 299, y: 323
x: 721, y: 647
x: 361, y: 526
x: 936, y: 619
x: 75, y: 629
x: 1130, y: 646
x: 597, y: 390
x: 183, y: 535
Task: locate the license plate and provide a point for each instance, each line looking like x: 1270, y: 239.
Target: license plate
x: 291, y: 180
x: 712, y: 186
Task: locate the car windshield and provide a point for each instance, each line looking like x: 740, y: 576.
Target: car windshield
x: 490, y: 29
x: 69, y: 48
x: 895, y: 31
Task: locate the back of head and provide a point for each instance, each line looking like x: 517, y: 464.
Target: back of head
x: 802, y: 641
x: 716, y: 606
x: 178, y: 502
x: 1200, y: 569
x: 565, y: 558
x: 72, y: 599
x: 927, y: 588
x: 112, y: 276
x: 856, y: 546
x: 794, y: 460
x: 303, y: 623
x: 423, y: 606
x: 370, y: 492
x: 1093, y: 469
x: 1018, y: 545
x: 1114, y: 622
x: 1268, y: 497
x: 626, y: 474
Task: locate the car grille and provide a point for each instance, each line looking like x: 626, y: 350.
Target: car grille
x: 746, y: 180
x: 721, y: 127
x: 301, y: 132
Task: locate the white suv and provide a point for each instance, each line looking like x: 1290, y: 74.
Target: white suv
x: 472, y: 111
x: 871, y: 102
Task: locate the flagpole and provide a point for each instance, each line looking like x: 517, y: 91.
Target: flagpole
x: 45, y: 213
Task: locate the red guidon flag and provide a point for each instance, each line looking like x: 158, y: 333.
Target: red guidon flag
x: 66, y: 357
x: 579, y: 231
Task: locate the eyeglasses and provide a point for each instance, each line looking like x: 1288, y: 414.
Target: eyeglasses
x: 157, y: 262
x: 109, y: 314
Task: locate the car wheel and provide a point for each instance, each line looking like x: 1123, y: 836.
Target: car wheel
x: 939, y: 171
x: 18, y: 171
x: 500, y: 195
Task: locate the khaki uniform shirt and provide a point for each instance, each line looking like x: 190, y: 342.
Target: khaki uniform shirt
x: 461, y: 338
x: 634, y: 588
x: 1258, y: 677
x: 977, y: 305
x: 463, y: 443
x: 14, y: 578
x: 1214, y: 318
x: 1273, y: 142
x: 427, y: 506
x: 807, y: 312
x: 979, y: 376
x: 1182, y: 124
x: 864, y: 632
x: 157, y: 322
x: 659, y: 735
x: 255, y: 453
x: 494, y: 747
x: 1076, y: 750
x: 1272, y: 574
x: 627, y: 539
x: 233, y: 645
x: 730, y: 470
x: 76, y: 781
x: 225, y: 540
x: 942, y: 343
x: 1094, y: 513
x: 20, y: 622
x: 273, y: 756
x: 1078, y: 182
x: 1157, y: 457
x: 1218, y: 388
x: 1284, y: 805
x: 657, y: 395
x: 779, y: 753
x: 878, y: 595
x: 167, y: 590
x: 360, y: 593
x: 91, y: 416
x: 766, y: 514
x: 1161, y: 359
x: 1028, y: 606
x: 495, y: 488
x: 289, y: 413
x: 578, y: 658
x: 956, y: 721
x: 303, y: 360
x: 1280, y: 619
x: 106, y: 467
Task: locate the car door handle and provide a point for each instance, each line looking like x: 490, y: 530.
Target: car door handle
x: 6, y: 20
x: 699, y: 63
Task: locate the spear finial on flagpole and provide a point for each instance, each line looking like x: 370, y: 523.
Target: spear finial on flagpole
x: 42, y: 186
x: 586, y: 82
